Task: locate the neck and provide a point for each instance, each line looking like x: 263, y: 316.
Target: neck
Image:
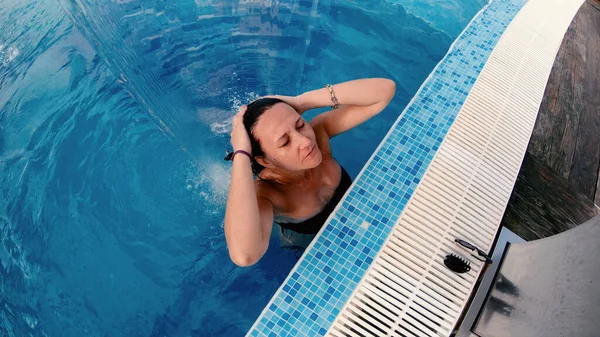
x: 287, y: 177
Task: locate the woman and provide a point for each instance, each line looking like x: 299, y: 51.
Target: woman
x: 298, y: 183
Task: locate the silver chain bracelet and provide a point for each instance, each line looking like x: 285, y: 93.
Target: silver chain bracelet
x: 336, y: 104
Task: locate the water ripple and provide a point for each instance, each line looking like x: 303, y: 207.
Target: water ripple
x: 108, y: 227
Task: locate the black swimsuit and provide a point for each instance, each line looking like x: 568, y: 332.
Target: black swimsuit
x: 314, y: 224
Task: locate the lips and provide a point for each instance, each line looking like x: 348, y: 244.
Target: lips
x: 311, y: 152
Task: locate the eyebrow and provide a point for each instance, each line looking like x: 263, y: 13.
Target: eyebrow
x: 285, y: 134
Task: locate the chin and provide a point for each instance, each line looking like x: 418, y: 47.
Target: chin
x: 317, y: 160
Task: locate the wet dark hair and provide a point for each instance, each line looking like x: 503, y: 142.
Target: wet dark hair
x: 253, y: 113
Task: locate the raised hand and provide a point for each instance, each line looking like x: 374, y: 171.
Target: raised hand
x: 240, y: 140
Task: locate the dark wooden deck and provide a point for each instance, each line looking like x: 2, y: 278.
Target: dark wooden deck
x: 558, y: 185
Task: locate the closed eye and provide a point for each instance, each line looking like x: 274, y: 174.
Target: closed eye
x: 287, y: 140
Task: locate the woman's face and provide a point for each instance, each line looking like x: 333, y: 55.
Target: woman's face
x: 287, y: 140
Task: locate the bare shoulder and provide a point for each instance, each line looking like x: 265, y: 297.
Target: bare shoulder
x: 268, y: 191
x: 263, y: 189
x: 317, y: 124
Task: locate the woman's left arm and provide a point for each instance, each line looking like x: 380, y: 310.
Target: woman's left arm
x: 359, y: 101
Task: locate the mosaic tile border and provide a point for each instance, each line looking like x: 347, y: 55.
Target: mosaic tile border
x: 317, y: 288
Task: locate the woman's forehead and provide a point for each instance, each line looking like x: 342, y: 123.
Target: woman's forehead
x: 276, y: 121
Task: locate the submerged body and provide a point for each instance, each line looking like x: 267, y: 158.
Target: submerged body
x: 313, y: 224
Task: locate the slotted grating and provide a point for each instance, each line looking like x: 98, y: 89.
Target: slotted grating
x: 407, y: 290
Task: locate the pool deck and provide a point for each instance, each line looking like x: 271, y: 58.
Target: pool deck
x: 558, y: 186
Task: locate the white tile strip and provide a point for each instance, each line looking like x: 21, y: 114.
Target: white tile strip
x: 407, y: 290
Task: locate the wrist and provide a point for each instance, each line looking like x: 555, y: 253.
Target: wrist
x: 315, y: 99
x: 301, y: 103
x: 240, y: 154
x: 244, y: 149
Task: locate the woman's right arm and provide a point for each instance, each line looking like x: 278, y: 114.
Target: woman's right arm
x: 248, y: 217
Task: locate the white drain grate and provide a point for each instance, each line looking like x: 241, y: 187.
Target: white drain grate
x: 407, y: 290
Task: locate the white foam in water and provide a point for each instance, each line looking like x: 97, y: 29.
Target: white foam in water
x: 237, y: 100
x: 8, y: 55
x: 12, y: 253
x: 220, y: 121
x: 31, y: 321
x: 217, y: 176
x: 221, y: 128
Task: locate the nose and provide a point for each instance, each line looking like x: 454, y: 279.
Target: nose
x: 304, y: 142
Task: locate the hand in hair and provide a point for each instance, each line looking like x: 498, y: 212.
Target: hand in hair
x: 293, y: 101
x: 239, y: 136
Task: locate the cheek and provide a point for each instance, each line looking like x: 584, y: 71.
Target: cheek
x: 288, y: 159
x: 280, y: 157
x: 309, y: 132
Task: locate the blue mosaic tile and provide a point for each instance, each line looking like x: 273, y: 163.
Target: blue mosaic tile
x: 316, y: 290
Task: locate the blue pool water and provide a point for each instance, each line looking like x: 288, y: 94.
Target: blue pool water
x: 114, y: 118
